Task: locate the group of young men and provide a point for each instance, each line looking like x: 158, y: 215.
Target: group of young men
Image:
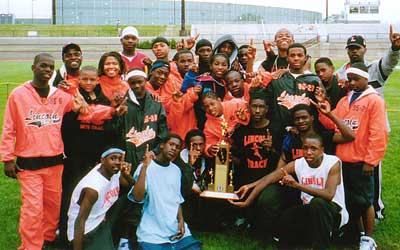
x: 116, y: 157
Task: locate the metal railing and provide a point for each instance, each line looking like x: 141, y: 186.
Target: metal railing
x: 69, y: 33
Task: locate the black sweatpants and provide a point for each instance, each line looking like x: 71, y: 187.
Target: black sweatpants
x: 312, y: 223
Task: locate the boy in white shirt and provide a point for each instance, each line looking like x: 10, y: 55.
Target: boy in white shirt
x: 89, y: 224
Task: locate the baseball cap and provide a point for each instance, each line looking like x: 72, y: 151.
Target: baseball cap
x: 356, y: 40
x: 68, y: 46
x: 129, y: 31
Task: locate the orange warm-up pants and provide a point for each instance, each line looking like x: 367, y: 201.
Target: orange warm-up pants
x: 40, y: 210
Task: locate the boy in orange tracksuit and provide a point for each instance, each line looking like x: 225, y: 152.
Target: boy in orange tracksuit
x: 178, y: 106
x: 232, y: 112
x: 364, y: 111
x: 31, y: 132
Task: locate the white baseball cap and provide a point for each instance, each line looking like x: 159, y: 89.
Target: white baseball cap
x: 129, y: 31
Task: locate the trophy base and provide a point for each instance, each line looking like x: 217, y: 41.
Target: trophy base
x: 219, y: 195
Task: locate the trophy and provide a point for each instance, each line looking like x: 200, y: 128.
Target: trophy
x: 221, y: 184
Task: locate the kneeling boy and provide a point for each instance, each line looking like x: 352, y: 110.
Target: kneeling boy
x: 158, y: 187
x: 94, y: 195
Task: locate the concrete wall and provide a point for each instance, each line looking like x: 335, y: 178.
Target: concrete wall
x: 93, y: 48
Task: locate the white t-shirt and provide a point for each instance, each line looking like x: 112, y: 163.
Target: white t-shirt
x: 161, y: 203
x: 107, y: 191
x: 317, y: 177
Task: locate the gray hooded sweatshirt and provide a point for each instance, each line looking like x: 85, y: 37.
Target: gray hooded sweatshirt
x: 230, y: 39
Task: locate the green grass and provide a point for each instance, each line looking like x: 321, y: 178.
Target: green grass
x: 44, y: 30
x: 387, y: 232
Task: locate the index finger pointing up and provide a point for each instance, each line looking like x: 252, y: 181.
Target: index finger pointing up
x: 251, y: 42
x: 390, y: 30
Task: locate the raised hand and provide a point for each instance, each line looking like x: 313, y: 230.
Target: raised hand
x: 156, y: 97
x: 394, y: 38
x: 268, y: 46
x: 63, y: 84
x: 147, y: 61
x: 197, y: 88
x: 235, y: 65
x: 279, y: 73
x: 193, y: 154
x: 180, y: 45
x: 191, y: 41
x: 79, y: 104
x: 121, y: 109
x: 177, y: 95
x: 267, y: 142
x: 320, y: 94
x: 125, y: 166
x: 195, y: 66
x: 241, y: 113
x: 256, y: 81
x: 251, y: 51
x: 324, y: 107
x: 148, y: 156
x: 213, y: 150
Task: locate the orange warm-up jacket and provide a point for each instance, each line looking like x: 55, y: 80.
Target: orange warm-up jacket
x: 112, y: 88
x: 32, y: 125
x: 366, y: 116
x: 213, y: 128
x: 181, y: 116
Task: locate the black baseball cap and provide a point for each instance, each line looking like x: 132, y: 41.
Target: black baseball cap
x: 70, y: 46
x: 356, y: 40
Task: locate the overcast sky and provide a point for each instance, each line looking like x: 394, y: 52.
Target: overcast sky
x: 42, y: 8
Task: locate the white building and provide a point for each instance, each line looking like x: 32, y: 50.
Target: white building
x: 361, y: 11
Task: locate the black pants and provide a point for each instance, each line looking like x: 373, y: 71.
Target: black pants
x: 101, y: 238
x: 270, y: 204
x: 311, y: 223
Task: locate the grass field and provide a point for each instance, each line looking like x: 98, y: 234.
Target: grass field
x: 44, y: 30
x: 387, y: 232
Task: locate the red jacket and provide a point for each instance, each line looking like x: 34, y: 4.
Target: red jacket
x: 213, y: 128
x: 181, y: 116
x: 32, y: 125
x: 112, y: 88
x: 366, y: 116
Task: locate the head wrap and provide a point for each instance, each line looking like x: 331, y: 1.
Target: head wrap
x: 202, y: 43
x: 358, y: 68
x: 112, y: 151
x: 135, y: 72
x: 159, y: 39
x: 158, y: 64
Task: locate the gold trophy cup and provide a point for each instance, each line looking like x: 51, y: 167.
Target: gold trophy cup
x: 221, y: 185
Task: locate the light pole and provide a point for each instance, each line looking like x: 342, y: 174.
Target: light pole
x: 32, y: 11
x: 326, y: 11
x: 182, y: 32
x: 53, y: 11
x: 174, y: 13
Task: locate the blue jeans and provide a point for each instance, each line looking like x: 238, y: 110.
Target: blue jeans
x: 187, y: 243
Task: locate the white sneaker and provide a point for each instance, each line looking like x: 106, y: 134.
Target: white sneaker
x: 367, y: 243
x: 123, y: 244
